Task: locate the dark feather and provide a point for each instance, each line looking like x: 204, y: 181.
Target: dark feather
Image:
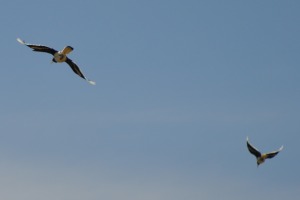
x: 274, y: 153
x: 41, y: 48
x: 253, y: 150
x: 271, y: 155
x: 75, y: 68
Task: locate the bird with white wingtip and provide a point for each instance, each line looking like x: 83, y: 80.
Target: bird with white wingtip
x: 58, y: 57
x: 261, y: 157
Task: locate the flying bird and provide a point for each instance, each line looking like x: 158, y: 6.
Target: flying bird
x: 260, y: 158
x: 58, y: 57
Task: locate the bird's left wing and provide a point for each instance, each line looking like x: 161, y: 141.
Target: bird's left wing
x: 77, y: 71
x: 252, y: 149
x: 39, y: 48
x: 274, y: 153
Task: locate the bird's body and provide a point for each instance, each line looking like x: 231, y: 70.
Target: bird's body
x: 58, y: 57
x: 260, y: 158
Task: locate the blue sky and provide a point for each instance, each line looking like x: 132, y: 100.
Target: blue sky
x: 180, y: 85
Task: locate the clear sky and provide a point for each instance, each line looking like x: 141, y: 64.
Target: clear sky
x: 180, y: 85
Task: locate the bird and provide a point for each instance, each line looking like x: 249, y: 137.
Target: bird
x: 58, y: 57
x: 261, y: 157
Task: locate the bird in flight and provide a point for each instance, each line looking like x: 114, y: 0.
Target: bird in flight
x: 260, y: 158
x: 58, y: 57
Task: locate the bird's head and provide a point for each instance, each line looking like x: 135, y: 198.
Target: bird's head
x: 260, y: 160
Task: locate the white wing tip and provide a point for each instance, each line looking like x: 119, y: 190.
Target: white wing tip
x: 91, y: 82
x: 20, y: 41
x: 280, y: 148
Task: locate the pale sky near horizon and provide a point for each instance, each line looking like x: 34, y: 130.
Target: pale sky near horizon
x: 180, y: 85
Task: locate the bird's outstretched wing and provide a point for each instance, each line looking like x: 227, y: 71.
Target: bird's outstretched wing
x: 77, y: 71
x: 39, y: 48
x: 252, y: 149
x: 274, y: 153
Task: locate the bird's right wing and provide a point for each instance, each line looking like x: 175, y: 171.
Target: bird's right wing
x: 274, y: 153
x: 77, y: 71
x: 252, y: 149
x: 39, y: 48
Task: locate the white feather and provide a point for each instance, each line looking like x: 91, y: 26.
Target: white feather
x: 91, y: 82
x: 280, y: 148
x: 20, y: 41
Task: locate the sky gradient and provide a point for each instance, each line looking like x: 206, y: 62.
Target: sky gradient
x: 180, y: 85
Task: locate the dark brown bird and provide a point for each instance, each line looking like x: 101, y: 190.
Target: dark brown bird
x: 58, y: 57
x: 260, y: 158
